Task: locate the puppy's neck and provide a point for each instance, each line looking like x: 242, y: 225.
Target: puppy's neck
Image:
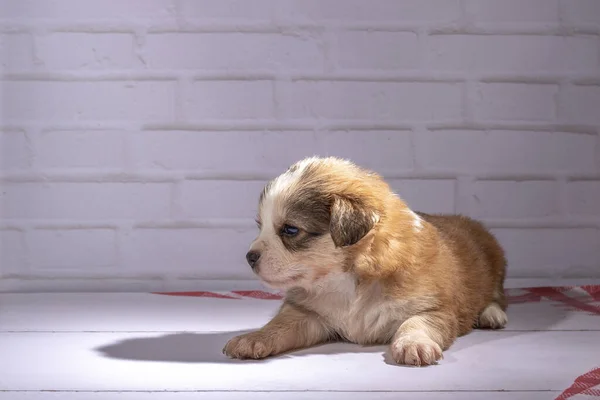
x: 334, y: 288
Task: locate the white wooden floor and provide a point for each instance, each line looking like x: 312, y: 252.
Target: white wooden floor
x: 157, y: 346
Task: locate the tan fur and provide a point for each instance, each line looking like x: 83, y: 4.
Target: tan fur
x: 292, y: 328
x: 381, y: 274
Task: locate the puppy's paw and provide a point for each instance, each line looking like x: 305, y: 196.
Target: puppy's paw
x: 254, y: 345
x: 416, y: 349
x: 492, y: 317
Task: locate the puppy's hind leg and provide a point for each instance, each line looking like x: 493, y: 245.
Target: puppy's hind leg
x: 492, y: 317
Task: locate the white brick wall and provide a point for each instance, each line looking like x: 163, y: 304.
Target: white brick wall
x: 135, y: 135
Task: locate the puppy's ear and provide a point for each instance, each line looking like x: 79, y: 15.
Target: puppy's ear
x: 350, y: 221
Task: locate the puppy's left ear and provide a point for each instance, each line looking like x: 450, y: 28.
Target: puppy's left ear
x: 350, y: 221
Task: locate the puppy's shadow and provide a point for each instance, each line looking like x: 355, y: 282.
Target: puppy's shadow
x: 188, y: 347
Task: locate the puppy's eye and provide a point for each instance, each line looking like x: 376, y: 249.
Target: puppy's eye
x: 289, y: 230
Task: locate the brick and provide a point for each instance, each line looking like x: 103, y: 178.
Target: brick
x: 513, y: 11
x: 86, y: 200
x: 12, y: 252
x: 431, y: 195
x: 583, y: 198
x: 545, y: 253
x: 580, y: 104
x: 382, y: 151
x: 72, y: 10
x: 220, y: 199
x: 87, y: 51
x: 581, y: 12
x: 480, y: 152
x: 206, y: 253
x: 393, y: 11
x: 80, y: 149
x: 509, y: 199
x: 379, y: 101
x: 377, y: 50
x: 233, y: 51
x: 237, y: 151
x: 65, y: 101
x: 14, y: 150
x: 516, y: 102
x: 16, y: 51
x: 223, y: 152
x: 229, y: 100
x: 513, y: 53
x: 75, y: 249
x: 233, y: 10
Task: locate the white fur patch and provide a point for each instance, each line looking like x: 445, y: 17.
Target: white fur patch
x: 288, y: 178
x: 417, y: 222
x: 416, y: 348
x: 375, y: 218
x: 266, y: 216
x: 282, y: 183
x: 363, y: 316
x: 493, y: 317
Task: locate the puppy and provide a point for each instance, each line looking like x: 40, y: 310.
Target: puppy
x: 358, y: 265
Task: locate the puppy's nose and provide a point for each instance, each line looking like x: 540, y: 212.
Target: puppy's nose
x: 252, y: 258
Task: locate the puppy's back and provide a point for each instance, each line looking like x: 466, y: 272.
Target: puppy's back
x: 482, y: 262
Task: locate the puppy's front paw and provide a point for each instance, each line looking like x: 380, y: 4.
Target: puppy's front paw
x: 255, y: 345
x: 416, y: 349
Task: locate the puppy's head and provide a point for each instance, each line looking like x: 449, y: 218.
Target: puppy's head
x: 311, y: 217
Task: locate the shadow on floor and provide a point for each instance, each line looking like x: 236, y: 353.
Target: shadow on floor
x: 188, y: 347
x: 204, y: 347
